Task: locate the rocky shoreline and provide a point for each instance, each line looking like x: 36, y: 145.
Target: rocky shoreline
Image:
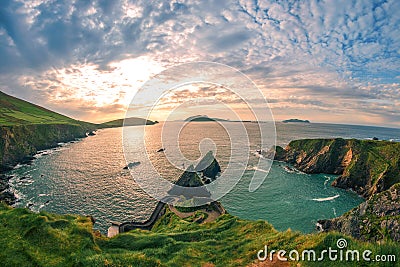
x: 20, y: 143
x: 5, y: 194
x: 370, y: 168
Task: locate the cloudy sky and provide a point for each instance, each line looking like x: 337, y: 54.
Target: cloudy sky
x: 327, y: 61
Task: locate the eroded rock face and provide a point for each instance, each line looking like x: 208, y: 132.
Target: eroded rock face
x: 370, y: 168
x: 318, y: 155
x: 21, y: 141
x: 367, y: 167
x: 376, y: 219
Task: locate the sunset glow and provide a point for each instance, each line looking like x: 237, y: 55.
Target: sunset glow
x: 313, y: 60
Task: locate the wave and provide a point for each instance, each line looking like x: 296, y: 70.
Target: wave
x: 326, y: 181
x: 260, y: 170
x: 325, y: 198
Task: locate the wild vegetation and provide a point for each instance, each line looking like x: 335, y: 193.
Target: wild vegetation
x: 43, y: 239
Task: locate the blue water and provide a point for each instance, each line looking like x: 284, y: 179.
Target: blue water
x: 87, y: 177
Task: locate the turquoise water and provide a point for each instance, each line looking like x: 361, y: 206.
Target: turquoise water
x: 87, y: 177
x: 289, y: 199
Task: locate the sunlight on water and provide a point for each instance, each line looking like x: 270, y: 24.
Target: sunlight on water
x: 87, y: 177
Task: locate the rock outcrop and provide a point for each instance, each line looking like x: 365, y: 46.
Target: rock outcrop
x: 365, y: 166
x: 209, y: 166
x: 370, y: 168
x: 376, y: 219
x: 5, y: 195
x: 189, y: 179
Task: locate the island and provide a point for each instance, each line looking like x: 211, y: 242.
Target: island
x: 132, y: 121
x: 201, y: 118
x: 296, y: 121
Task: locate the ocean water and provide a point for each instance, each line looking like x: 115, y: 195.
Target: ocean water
x: 87, y: 176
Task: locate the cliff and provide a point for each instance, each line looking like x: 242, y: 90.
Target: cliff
x: 376, y: 219
x: 367, y: 167
x: 370, y: 168
x: 26, y: 128
x: 20, y: 142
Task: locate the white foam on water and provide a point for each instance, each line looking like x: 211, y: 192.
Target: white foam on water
x: 326, y: 181
x: 260, y: 170
x: 326, y: 198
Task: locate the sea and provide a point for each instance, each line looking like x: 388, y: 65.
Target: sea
x: 87, y: 176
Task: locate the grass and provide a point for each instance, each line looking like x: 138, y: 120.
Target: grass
x: 43, y: 239
x: 14, y: 111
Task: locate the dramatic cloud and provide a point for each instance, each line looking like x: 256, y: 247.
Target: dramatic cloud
x: 320, y: 60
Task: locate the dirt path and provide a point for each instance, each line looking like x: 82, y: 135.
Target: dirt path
x: 212, y: 215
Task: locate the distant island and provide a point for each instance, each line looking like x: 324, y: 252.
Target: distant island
x: 133, y: 121
x: 203, y: 118
x: 296, y: 120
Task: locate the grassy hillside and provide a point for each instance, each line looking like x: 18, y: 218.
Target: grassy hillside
x: 26, y: 128
x: 14, y: 111
x: 29, y: 239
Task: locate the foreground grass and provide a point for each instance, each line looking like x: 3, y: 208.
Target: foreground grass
x: 29, y: 239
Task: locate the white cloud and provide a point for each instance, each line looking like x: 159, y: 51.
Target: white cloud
x: 311, y: 45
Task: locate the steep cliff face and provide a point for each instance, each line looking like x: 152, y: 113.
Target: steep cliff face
x: 376, y: 219
x: 367, y: 167
x: 19, y: 142
x: 370, y: 168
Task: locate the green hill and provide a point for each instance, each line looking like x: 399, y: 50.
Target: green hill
x: 26, y: 128
x: 43, y: 239
x: 14, y: 111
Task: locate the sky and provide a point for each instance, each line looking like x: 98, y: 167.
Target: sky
x: 326, y: 61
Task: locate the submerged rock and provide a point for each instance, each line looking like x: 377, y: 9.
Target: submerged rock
x: 131, y: 165
x: 91, y: 133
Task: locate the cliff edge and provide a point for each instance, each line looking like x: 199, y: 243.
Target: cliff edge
x: 370, y: 168
x: 365, y: 166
